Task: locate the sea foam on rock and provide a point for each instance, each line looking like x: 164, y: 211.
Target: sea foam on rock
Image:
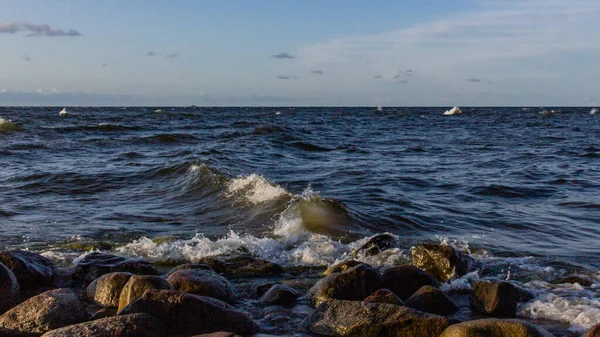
x: 134, y: 325
x: 242, y: 265
x: 377, y: 244
x: 442, y: 261
x: 353, y: 318
x: 355, y: 284
x: 187, y: 314
x: 95, y: 264
x: 493, y: 327
x: 106, y: 289
x: 32, y: 270
x: 405, y: 280
x: 50, y: 310
x: 9, y: 289
x: 202, y: 282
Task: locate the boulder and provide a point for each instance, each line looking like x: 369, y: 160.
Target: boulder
x: 341, y: 267
x: 352, y: 318
x: 137, y: 285
x: 190, y: 266
x: 259, y: 290
x: 280, y: 295
x: 376, y: 245
x: 581, y: 280
x: 50, y: 310
x: 32, y: 270
x: 384, y: 296
x: 594, y: 331
x: 406, y: 280
x: 355, y: 284
x: 442, y: 261
x: 203, y: 282
x: 95, y: 265
x: 242, y: 265
x: 9, y: 289
x: 497, y: 298
x: 493, y: 327
x: 134, y: 325
x: 187, y: 314
x: 106, y: 289
x: 431, y: 300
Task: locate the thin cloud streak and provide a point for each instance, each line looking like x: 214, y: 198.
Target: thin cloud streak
x: 43, y: 30
x: 282, y: 56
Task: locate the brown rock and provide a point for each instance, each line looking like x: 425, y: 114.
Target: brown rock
x: 280, y: 295
x: 106, y: 289
x: 189, y: 266
x: 242, y: 265
x: 497, y: 298
x: 406, y: 280
x: 137, y: 285
x: 431, y: 300
x: 493, y: 327
x: 441, y: 261
x: 352, y: 318
x: 95, y: 265
x: 341, y: 267
x: 50, y: 310
x: 187, y: 314
x: 384, y: 296
x: 594, y: 331
x: 203, y: 282
x: 355, y: 284
x: 134, y: 325
x: 32, y: 270
x: 9, y: 289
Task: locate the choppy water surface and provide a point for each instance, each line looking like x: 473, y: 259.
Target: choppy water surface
x: 304, y: 186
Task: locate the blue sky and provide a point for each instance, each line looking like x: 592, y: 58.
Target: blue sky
x: 302, y: 52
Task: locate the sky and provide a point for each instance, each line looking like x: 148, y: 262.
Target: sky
x: 300, y: 52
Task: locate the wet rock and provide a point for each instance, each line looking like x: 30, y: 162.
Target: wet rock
x: 594, y: 331
x: 50, y: 310
x: 280, y: 295
x: 406, y: 280
x: 189, y: 266
x: 204, y: 283
x: 137, y: 285
x: 384, y: 296
x: 355, y: 284
x: 376, y: 245
x: 219, y: 334
x: 103, y: 313
x: 581, y: 280
x: 352, y: 318
x: 95, y: 265
x: 431, y: 300
x: 493, y: 327
x: 106, y: 289
x: 261, y: 289
x: 187, y: 314
x: 242, y: 265
x: 497, y: 298
x: 341, y: 267
x: 32, y: 270
x: 134, y: 325
x: 441, y: 261
x: 9, y: 289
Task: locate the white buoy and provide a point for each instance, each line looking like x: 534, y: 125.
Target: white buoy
x: 63, y: 112
x: 454, y: 111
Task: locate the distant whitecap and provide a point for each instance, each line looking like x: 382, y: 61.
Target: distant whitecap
x: 63, y: 112
x: 594, y: 111
x: 454, y: 111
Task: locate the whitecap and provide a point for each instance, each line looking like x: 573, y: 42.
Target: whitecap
x: 254, y: 189
x: 454, y: 111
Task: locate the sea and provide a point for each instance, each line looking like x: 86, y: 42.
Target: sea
x: 517, y: 187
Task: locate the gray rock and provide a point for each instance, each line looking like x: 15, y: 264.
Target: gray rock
x: 134, y: 325
x: 9, y: 289
x: 341, y: 267
x: 203, y: 282
x: 242, y: 266
x: 406, y: 280
x: 106, y: 289
x: 377, y: 244
x: 280, y: 295
x: 493, y: 327
x: 137, y: 285
x: 355, y: 284
x: 95, y: 265
x: 431, y: 300
x: 352, y: 318
x: 32, y: 270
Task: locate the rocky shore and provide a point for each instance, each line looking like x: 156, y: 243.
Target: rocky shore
x: 241, y: 295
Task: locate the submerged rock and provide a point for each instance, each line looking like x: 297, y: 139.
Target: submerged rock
x: 581, y: 280
x: 50, y: 310
x: 384, y: 296
x: 280, y: 295
x: 187, y: 314
x: 32, y: 270
x: 137, y: 285
x: 497, y: 298
x: 204, y: 283
x: 406, y: 280
x: 352, y: 318
x: 376, y: 245
x: 355, y: 284
x: 9, y: 289
x: 242, y: 265
x: 95, y: 265
x: 431, y: 300
x: 442, y: 261
x: 134, y: 325
x: 493, y: 327
x: 106, y: 289
x: 341, y: 267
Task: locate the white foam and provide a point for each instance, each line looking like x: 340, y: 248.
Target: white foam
x: 462, y: 283
x: 63, y: 112
x: 454, y: 111
x: 593, y: 111
x: 254, y: 189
